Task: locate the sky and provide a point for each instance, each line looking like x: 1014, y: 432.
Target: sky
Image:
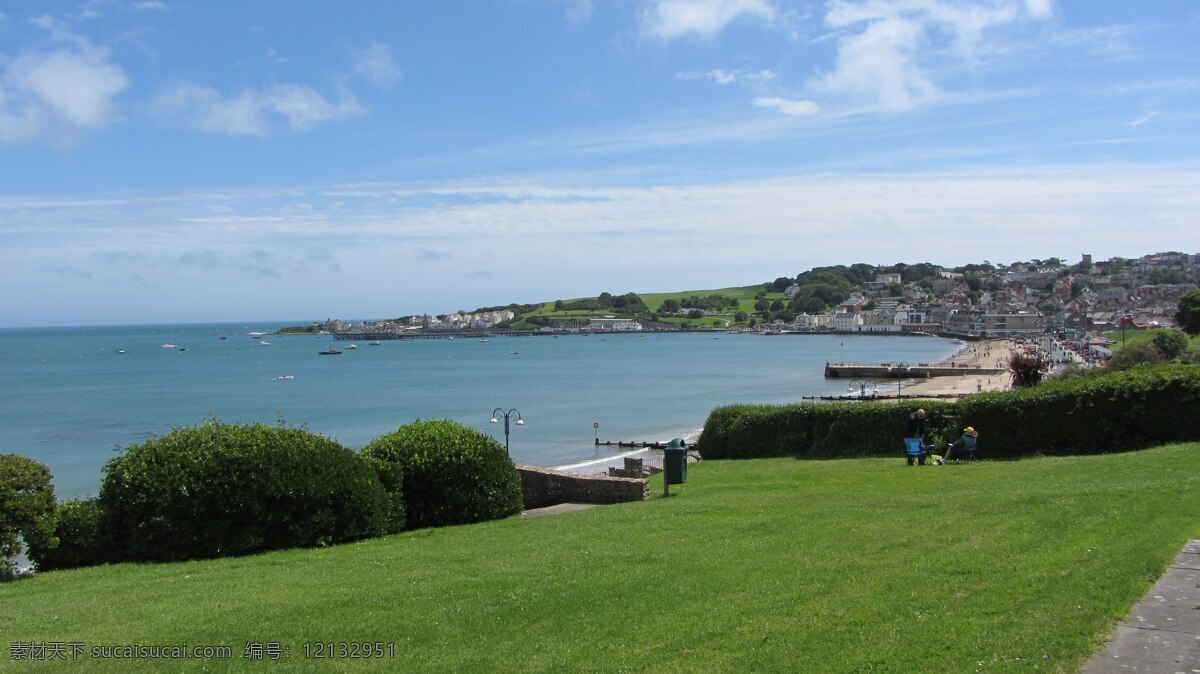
x: 165, y: 161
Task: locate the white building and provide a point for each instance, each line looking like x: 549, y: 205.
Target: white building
x: 614, y: 325
x: 847, y: 322
x: 813, y: 321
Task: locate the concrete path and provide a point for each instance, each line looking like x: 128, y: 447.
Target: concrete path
x: 1162, y: 633
x: 557, y: 509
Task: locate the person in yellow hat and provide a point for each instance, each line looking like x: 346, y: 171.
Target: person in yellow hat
x: 965, y: 443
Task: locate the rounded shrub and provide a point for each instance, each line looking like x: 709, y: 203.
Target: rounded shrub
x: 82, y: 539
x: 228, y: 489
x: 451, y: 474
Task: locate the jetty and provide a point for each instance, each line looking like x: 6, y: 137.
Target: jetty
x: 904, y: 371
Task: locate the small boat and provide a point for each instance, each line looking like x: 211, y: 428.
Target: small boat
x: 119, y: 351
x: 376, y: 343
x: 351, y: 346
x: 183, y: 348
x: 331, y: 351
x: 169, y: 346
x: 257, y: 335
x: 285, y: 377
x: 264, y: 343
x: 483, y: 341
x: 223, y: 338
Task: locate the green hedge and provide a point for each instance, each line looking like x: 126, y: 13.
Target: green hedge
x: 228, y: 489
x: 817, y: 430
x: 451, y: 474
x: 1126, y: 410
x: 82, y: 538
x: 1131, y: 409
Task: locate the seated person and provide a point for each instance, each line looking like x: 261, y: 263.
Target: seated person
x: 962, y: 443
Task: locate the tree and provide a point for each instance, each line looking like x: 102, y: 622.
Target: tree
x: 1134, y: 355
x: 1165, y: 277
x: 762, y: 305
x: 695, y: 313
x: 782, y: 283
x: 670, y: 306
x: 26, y: 507
x: 558, y: 305
x: 1170, y: 343
x: 777, y: 305
x: 1188, y: 316
x: 740, y: 317
x: 1028, y: 369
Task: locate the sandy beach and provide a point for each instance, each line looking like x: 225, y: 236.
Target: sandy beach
x: 975, y: 354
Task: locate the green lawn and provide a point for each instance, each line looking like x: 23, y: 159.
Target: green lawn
x: 1141, y: 336
x: 778, y: 564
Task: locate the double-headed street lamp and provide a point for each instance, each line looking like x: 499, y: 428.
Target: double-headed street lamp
x: 862, y: 385
x: 499, y: 412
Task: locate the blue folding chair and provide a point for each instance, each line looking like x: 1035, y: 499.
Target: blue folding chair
x: 913, y: 449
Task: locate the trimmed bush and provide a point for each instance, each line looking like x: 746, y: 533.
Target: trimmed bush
x: 1113, y: 412
x: 451, y: 474
x: 816, y: 430
x: 26, y: 507
x: 217, y: 490
x: 1132, y: 409
x: 82, y: 540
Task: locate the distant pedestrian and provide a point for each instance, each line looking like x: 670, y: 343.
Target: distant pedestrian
x: 914, y: 429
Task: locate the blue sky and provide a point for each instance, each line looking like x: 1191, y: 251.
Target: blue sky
x: 168, y: 161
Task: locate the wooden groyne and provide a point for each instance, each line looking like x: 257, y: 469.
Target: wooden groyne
x: 632, y: 445
x: 901, y: 371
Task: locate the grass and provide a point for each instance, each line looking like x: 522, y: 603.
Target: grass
x: 755, y: 565
x: 1141, y: 336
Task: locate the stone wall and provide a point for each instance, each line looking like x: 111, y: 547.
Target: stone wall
x: 545, y: 487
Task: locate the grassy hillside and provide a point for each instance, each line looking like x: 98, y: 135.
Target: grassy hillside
x: 755, y: 565
x: 745, y: 296
x: 1142, y: 336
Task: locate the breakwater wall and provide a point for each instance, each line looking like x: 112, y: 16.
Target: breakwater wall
x: 543, y: 487
x: 886, y: 371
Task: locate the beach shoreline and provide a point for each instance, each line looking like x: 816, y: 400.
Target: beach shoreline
x: 983, y: 354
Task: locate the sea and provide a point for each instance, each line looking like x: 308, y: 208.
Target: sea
x: 72, y: 398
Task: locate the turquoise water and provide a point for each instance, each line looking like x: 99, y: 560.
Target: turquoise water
x: 69, y: 400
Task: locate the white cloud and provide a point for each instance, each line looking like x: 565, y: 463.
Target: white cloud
x: 1143, y: 119
x: 1039, y: 9
x: 249, y: 111
x: 77, y: 87
x: 671, y: 19
x: 150, y: 6
x: 376, y: 65
x: 887, y: 50
x: 879, y: 64
x: 787, y: 106
x: 752, y: 77
x: 58, y: 93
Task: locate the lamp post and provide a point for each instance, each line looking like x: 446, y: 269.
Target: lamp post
x: 862, y: 385
x: 499, y: 412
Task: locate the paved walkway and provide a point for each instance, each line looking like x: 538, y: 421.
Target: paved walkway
x: 557, y: 509
x: 1161, y: 633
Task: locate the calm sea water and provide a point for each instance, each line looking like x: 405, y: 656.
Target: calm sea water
x: 69, y: 400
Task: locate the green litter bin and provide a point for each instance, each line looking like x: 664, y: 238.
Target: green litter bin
x: 675, y: 462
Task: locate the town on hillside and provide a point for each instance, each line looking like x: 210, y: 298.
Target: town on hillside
x: 1076, y: 301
